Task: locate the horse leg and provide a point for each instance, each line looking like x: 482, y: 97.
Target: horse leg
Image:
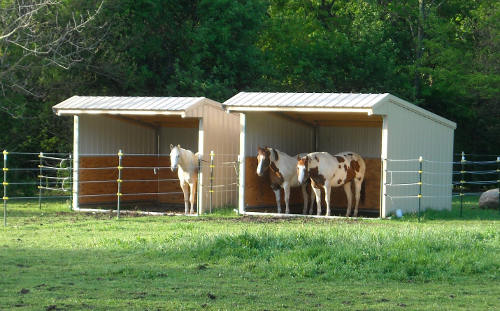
x: 357, y: 188
x: 185, y: 190
x: 317, y: 192
x: 277, y: 194
x: 348, y: 194
x: 286, y: 189
x: 311, y: 209
x: 328, y: 191
x: 305, y: 196
x: 192, y: 196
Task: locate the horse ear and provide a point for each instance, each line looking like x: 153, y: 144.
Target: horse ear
x: 171, y: 146
x: 179, y: 145
x: 298, y: 158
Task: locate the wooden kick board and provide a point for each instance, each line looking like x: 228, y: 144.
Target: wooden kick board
x: 128, y: 187
x: 258, y: 190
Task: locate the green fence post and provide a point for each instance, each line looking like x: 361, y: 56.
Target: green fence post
x: 40, y: 175
x: 462, y: 181
x: 199, y: 191
x: 119, y: 183
x: 70, y: 178
x: 420, y: 160
x: 211, y: 178
x: 5, y: 197
x: 498, y: 181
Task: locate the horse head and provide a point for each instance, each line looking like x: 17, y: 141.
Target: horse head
x: 302, y: 168
x: 175, y: 154
x: 263, y: 160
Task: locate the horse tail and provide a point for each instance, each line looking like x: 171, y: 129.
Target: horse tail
x: 363, y: 192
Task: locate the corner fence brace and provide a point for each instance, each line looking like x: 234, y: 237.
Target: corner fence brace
x: 119, y: 183
x: 5, y: 197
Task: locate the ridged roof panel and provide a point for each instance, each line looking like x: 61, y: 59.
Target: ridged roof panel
x: 128, y: 103
x: 319, y: 100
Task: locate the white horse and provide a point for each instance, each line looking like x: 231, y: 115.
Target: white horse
x: 283, y: 174
x: 328, y: 171
x: 186, y: 164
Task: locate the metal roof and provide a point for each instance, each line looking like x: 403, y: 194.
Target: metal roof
x: 306, y: 100
x: 110, y: 103
x: 324, y: 102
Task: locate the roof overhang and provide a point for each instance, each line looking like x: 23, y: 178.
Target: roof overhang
x: 61, y: 112
x: 298, y: 109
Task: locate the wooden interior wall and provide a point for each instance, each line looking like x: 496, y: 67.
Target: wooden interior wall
x: 131, y: 180
x: 258, y: 191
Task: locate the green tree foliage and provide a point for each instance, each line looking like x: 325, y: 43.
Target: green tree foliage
x: 441, y: 55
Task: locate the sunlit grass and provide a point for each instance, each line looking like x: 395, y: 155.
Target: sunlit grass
x: 57, y: 259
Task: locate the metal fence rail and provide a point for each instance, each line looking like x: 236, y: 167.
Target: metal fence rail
x: 458, y: 185
x: 51, y: 177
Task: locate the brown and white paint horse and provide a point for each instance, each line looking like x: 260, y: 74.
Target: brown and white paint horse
x: 186, y: 164
x: 326, y: 171
x: 283, y: 174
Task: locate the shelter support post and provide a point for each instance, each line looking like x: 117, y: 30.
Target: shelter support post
x: 241, y: 159
x: 5, y: 197
x: 76, y: 164
x: 201, y: 150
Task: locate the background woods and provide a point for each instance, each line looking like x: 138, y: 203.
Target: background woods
x: 441, y: 55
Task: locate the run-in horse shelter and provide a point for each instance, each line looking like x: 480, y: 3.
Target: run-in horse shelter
x: 143, y: 128
x: 388, y: 132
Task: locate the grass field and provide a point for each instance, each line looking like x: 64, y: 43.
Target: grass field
x: 60, y: 260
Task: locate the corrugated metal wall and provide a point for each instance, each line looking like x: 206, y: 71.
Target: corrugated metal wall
x: 410, y: 135
x: 106, y: 135
x: 365, y: 141
x: 221, y: 135
x: 268, y: 129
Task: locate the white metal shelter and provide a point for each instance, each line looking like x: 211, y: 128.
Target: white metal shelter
x: 383, y: 128
x: 148, y: 125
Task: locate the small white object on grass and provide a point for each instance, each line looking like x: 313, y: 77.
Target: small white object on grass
x: 399, y: 213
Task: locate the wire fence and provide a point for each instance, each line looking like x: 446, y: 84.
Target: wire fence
x: 115, y: 179
x: 462, y: 177
x: 118, y: 178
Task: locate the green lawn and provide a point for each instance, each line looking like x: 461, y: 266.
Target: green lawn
x: 60, y: 260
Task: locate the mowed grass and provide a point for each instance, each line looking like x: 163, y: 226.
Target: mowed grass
x: 60, y: 260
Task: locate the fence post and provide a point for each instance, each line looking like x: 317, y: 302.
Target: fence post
x: 40, y: 166
x: 420, y: 160
x: 211, y: 178
x: 462, y: 181
x: 498, y: 182
x: 119, y: 183
x: 70, y: 181
x: 199, y: 188
x: 5, y: 197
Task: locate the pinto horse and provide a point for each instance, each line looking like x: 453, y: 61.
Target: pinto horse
x: 186, y: 164
x: 326, y: 171
x: 283, y: 174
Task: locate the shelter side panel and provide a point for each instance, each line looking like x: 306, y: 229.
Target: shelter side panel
x: 144, y: 178
x: 258, y: 192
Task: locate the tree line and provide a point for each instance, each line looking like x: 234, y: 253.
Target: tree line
x: 441, y: 55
